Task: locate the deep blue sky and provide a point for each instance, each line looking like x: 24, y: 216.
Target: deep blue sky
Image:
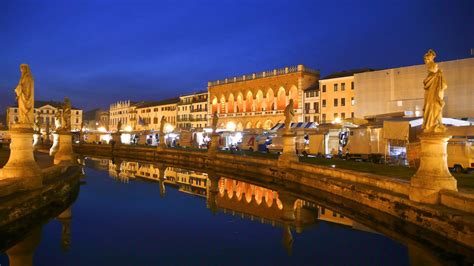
x: 98, y: 52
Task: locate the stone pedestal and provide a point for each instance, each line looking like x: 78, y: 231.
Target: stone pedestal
x: 54, y: 148
x: 288, y: 202
x: 21, y: 164
x: 214, y: 146
x: 65, y: 153
x: 162, y: 144
x: 288, y: 154
x: 433, y: 174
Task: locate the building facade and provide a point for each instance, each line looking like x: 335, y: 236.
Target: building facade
x: 258, y: 100
x: 125, y: 113
x: 400, y: 90
x: 337, y: 98
x: 311, y: 101
x: 149, y: 114
x: 45, y: 112
x: 193, y: 111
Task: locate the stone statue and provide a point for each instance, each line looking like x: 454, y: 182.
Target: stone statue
x: 434, y: 85
x: 215, y: 120
x: 289, y: 115
x: 57, y: 120
x: 25, y: 96
x: 66, y: 119
x: 36, y: 126
x: 162, y: 124
x: 119, y: 125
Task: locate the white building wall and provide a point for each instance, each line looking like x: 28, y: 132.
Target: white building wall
x: 401, y: 89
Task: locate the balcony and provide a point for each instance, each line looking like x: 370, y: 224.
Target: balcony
x: 199, y: 110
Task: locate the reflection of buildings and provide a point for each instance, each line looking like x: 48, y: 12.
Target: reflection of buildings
x: 97, y: 163
x: 122, y: 170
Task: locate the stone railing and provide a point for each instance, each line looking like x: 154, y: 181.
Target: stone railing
x: 264, y: 74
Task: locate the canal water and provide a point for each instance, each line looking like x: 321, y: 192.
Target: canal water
x: 125, y: 216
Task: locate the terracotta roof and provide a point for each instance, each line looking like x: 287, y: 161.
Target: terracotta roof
x: 158, y: 103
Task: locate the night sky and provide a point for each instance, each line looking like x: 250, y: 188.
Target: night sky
x: 98, y: 52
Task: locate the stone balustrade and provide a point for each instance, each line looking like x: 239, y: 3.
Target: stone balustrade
x: 263, y: 74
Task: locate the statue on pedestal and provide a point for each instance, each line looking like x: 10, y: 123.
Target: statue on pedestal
x: 434, y: 85
x: 25, y: 96
x: 289, y: 115
x: 57, y: 120
x: 66, y: 117
x: 162, y: 124
x: 215, y: 120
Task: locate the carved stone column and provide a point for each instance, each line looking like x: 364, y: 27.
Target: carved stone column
x: 21, y: 165
x: 433, y: 174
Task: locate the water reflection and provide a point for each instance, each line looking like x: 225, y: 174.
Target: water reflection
x: 230, y: 196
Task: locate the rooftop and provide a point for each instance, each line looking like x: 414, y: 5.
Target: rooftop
x: 158, y: 103
x: 264, y: 74
x: 347, y: 73
x: 55, y: 104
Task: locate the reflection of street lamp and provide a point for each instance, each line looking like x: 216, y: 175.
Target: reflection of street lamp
x: 231, y: 126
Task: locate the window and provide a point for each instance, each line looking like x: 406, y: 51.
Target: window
x: 324, y: 103
x: 352, y: 114
x: 335, y: 87
x: 343, y: 115
x: 306, y: 107
x: 316, y: 118
x: 324, y: 118
x: 324, y: 88
x: 353, y: 101
x: 343, y: 101
x: 316, y: 107
x: 343, y: 86
x: 335, y: 115
x: 336, y: 102
x: 77, y: 120
x: 306, y: 118
x: 352, y: 85
x: 317, y: 93
x: 77, y: 112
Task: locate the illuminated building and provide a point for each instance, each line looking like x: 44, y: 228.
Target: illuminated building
x: 149, y: 114
x: 400, y: 90
x: 45, y: 112
x: 192, y: 111
x: 258, y: 100
x: 337, y: 96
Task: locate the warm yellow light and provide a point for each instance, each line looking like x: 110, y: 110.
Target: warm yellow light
x: 102, y: 129
x: 168, y: 128
x: 128, y: 128
x: 231, y: 126
x: 337, y: 120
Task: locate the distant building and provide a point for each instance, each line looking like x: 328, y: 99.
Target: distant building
x: 95, y: 119
x: 312, y: 106
x: 45, y: 112
x: 192, y: 111
x: 258, y: 100
x: 337, y: 95
x: 124, y: 112
x: 400, y: 90
x: 149, y: 114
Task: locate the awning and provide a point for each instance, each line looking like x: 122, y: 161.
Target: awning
x: 299, y: 125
